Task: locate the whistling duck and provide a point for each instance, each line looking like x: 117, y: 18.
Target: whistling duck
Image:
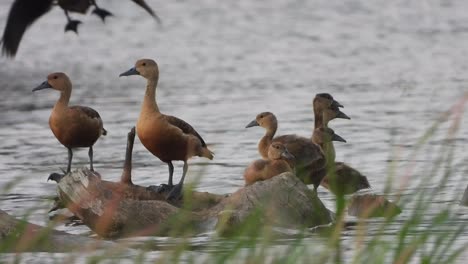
x: 346, y: 179
x: 24, y: 13
x: 167, y: 137
x: 323, y: 101
x: 73, y: 126
x: 309, y: 160
x: 326, y: 108
x: 278, y: 162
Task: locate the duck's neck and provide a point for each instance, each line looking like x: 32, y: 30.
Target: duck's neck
x: 318, y: 119
x: 149, y: 102
x: 62, y: 102
x: 265, y: 142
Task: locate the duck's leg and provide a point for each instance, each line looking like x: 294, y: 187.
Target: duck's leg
x: 70, y: 157
x: 176, y: 192
x: 167, y: 187
x: 71, y: 24
x: 171, y: 173
x: 90, y: 154
x: 102, y: 13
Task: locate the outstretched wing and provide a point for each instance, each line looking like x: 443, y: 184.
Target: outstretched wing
x: 148, y: 9
x: 185, y: 127
x: 22, y: 14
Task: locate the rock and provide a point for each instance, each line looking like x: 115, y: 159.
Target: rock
x: 21, y: 236
x: 116, y: 209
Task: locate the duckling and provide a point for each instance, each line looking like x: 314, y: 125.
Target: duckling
x: 167, y: 137
x: 341, y: 178
x: 310, y: 162
x: 346, y: 180
x: 23, y: 13
x: 73, y: 126
x: 277, y: 163
x: 322, y: 136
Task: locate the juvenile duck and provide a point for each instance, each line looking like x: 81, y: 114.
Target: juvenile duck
x: 309, y: 160
x: 167, y: 137
x: 278, y: 162
x: 23, y: 13
x: 341, y: 178
x: 322, y: 102
x: 73, y: 126
x: 346, y: 180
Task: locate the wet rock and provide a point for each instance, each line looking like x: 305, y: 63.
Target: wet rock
x: 21, y: 236
x: 115, y: 209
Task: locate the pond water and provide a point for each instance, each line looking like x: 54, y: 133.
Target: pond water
x: 396, y: 66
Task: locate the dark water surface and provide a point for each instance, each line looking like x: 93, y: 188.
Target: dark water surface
x: 395, y: 65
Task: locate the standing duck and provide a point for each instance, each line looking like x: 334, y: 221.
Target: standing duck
x: 309, y: 160
x: 73, y: 126
x: 167, y: 137
x: 263, y: 169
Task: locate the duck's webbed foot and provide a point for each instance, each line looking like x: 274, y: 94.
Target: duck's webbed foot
x: 175, y: 194
x: 102, y: 13
x: 55, y: 177
x: 72, y: 25
x: 161, y: 188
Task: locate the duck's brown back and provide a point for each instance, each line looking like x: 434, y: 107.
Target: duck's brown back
x: 310, y: 163
x: 347, y: 180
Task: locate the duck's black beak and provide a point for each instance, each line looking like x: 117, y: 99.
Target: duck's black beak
x: 337, y: 104
x: 132, y: 71
x: 287, y: 155
x: 42, y: 86
x: 336, y: 137
x: 252, y: 124
x: 340, y: 114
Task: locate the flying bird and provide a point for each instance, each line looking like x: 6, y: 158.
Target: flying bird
x: 23, y: 13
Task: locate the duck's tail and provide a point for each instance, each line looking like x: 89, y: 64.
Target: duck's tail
x: 103, y: 132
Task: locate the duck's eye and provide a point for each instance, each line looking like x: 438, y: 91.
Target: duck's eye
x: 55, y: 77
x: 261, y: 116
x: 144, y: 64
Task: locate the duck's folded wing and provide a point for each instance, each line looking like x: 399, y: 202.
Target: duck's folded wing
x: 148, y: 9
x: 88, y: 111
x: 22, y: 14
x: 185, y: 127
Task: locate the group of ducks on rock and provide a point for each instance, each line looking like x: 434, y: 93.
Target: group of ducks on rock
x: 172, y: 139
x: 312, y: 159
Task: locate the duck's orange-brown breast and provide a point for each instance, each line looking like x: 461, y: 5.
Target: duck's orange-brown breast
x: 163, y: 140
x: 74, y: 128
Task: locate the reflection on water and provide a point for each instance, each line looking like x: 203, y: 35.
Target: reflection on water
x: 396, y: 66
